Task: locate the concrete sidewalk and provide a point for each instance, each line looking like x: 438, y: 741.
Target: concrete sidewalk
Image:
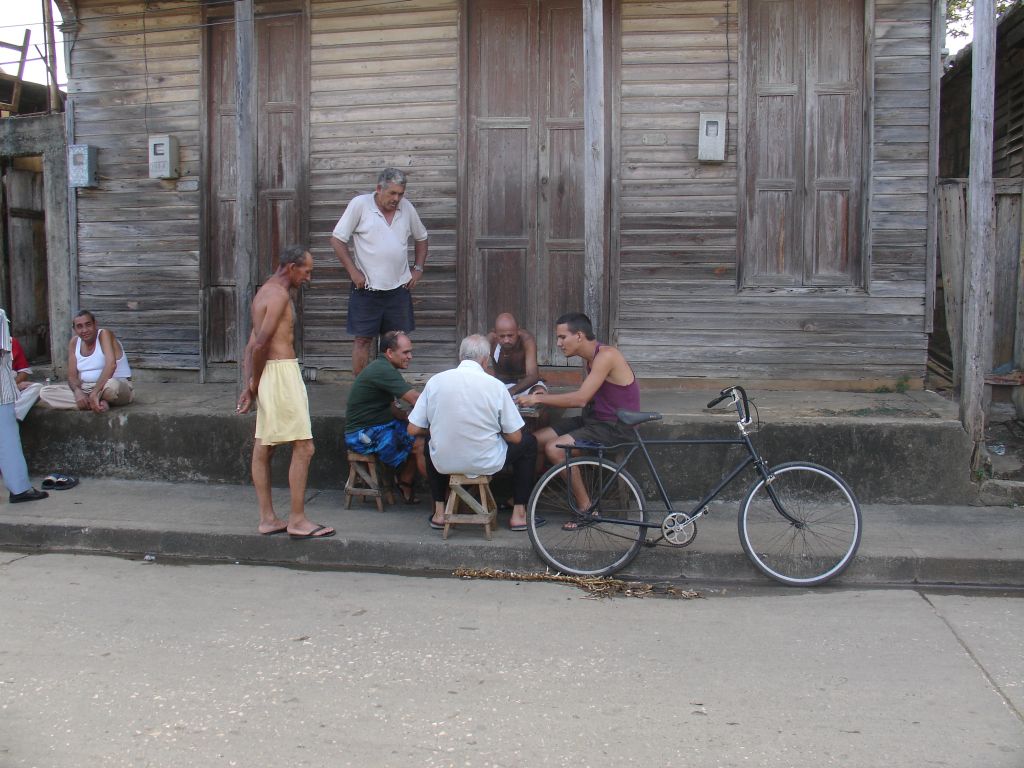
x: 902, y: 544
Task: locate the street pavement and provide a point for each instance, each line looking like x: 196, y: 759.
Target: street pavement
x: 106, y: 662
x: 901, y: 544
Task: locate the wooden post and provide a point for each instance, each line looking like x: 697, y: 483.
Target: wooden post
x: 49, y: 38
x: 595, y: 233
x: 978, y: 275
x: 245, y: 172
x: 952, y: 194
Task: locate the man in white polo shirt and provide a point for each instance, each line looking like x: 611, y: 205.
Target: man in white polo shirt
x: 371, y: 240
x: 474, y: 428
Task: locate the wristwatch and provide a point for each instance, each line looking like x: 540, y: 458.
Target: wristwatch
x: 417, y: 267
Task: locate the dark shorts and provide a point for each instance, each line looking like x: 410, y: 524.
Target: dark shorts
x: 586, y: 429
x: 371, y: 313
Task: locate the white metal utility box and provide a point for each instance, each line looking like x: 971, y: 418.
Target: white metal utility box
x: 163, y: 157
x: 81, y: 165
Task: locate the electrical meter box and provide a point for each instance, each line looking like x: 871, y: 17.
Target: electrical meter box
x: 163, y: 157
x: 711, y: 142
x: 81, y: 165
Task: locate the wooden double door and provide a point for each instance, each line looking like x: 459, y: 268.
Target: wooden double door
x: 524, y: 226
x: 280, y: 174
x: 803, y: 206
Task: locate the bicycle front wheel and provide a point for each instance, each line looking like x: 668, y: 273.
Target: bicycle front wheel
x: 803, y: 528
x: 592, y: 536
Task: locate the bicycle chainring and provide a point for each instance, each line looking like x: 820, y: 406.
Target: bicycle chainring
x: 679, y: 529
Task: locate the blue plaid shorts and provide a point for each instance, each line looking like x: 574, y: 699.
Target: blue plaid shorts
x: 391, y: 442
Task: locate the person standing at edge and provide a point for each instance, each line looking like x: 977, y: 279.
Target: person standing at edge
x: 371, y: 241
x: 272, y: 376
x: 12, y: 460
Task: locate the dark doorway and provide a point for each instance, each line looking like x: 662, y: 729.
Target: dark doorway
x: 23, y: 268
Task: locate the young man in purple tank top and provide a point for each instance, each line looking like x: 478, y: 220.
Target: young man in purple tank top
x: 609, y: 386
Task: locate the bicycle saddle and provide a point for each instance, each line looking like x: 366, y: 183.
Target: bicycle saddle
x: 632, y: 418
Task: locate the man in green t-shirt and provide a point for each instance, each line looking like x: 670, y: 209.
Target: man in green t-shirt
x: 373, y: 421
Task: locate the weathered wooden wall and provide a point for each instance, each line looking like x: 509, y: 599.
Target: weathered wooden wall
x: 1008, y: 139
x: 677, y: 309
x: 135, y: 72
x: 1007, y: 311
x: 384, y: 91
x: 676, y: 217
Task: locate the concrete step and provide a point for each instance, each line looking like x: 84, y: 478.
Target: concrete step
x: 1001, y: 493
x: 891, y: 447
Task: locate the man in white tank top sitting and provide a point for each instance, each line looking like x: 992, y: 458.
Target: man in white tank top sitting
x: 98, y: 372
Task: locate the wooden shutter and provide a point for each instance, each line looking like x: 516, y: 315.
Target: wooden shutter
x: 802, y: 163
x: 834, y: 136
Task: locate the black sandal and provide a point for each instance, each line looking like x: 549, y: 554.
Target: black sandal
x: 409, y: 498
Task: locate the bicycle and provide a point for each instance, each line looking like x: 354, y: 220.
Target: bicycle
x: 799, y: 523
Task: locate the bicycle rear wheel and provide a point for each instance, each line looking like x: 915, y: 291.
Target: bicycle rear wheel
x: 820, y: 539
x: 566, y: 538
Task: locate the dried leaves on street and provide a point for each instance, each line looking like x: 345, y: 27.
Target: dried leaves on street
x: 595, y: 586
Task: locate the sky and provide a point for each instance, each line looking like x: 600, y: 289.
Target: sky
x: 15, y: 17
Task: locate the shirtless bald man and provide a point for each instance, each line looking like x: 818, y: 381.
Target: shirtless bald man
x: 274, y: 379
x: 515, y: 356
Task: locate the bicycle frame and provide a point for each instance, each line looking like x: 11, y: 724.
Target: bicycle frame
x: 701, y: 508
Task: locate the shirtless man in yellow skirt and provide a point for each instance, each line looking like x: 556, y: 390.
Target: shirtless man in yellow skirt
x: 274, y: 379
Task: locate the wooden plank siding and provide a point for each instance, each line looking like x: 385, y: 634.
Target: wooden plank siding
x: 387, y: 88
x: 384, y: 91
x: 1008, y: 125
x: 135, y: 71
x: 677, y: 310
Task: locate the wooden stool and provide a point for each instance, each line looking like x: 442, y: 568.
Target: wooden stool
x: 483, y: 512
x: 364, y: 481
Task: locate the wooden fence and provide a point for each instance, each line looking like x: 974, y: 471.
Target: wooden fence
x: 1008, y: 266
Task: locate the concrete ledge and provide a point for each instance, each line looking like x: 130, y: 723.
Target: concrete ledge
x: 906, y: 448
x: 350, y: 553
x: 200, y: 522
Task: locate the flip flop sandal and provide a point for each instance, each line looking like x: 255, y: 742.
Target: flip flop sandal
x: 537, y: 523
x: 409, y: 498
x: 314, y: 534
x: 58, y: 482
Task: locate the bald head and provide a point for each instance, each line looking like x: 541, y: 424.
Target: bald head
x: 506, y: 329
x: 506, y: 320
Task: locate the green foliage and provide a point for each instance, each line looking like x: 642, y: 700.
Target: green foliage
x: 960, y: 15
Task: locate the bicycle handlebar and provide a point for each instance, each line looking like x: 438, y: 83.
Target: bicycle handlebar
x: 739, y: 398
x: 717, y: 400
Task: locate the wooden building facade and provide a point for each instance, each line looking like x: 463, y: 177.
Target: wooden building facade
x: 552, y: 152
x: 1007, y: 254
x: 1008, y: 124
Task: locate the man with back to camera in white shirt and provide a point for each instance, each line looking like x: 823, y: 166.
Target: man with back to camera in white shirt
x: 371, y: 240
x: 98, y: 372
x: 474, y: 428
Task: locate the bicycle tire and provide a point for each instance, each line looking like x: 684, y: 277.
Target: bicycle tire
x: 822, y: 543
x: 591, y: 549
